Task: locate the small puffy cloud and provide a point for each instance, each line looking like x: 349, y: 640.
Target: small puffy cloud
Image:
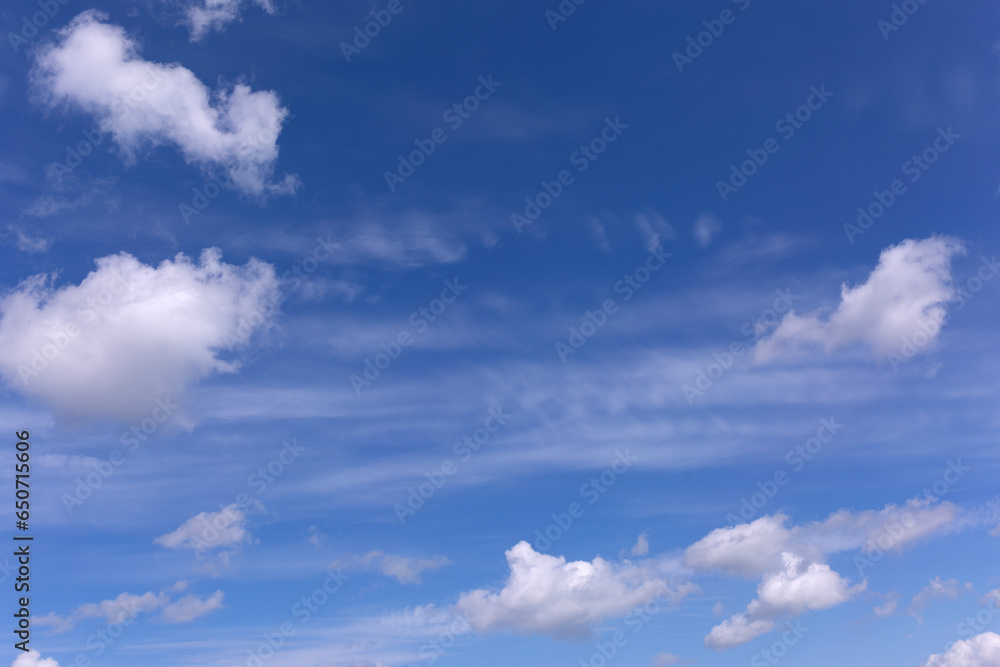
x: 705, y: 229
x: 936, y: 589
x: 737, y: 630
x: 316, y: 537
x: 887, y: 609
x: 130, y: 337
x: 745, y: 550
x: 980, y: 651
x: 545, y: 595
x: 95, y: 67
x: 666, y: 659
x: 904, y: 295
x: 801, y: 587
x: 405, y: 570
x: 226, y: 528
x: 190, y: 607
x: 796, y: 588
x: 33, y: 659
x: 641, y: 547
x: 203, y: 16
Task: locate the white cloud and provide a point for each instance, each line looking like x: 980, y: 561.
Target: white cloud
x: 190, y: 607
x: 790, y: 560
x: 980, y: 651
x: 666, y: 659
x: 891, y: 603
x: 545, y: 595
x: 226, y: 528
x: 705, y: 229
x: 96, y: 67
x: 204, y: 15
x: 800, y: 587
x: 353, y: 663
x: 128, y: 606
x: 796, y: 588
x: 641, y: 547
x: 33, y: 659
x: 405, y: 570
x: 738, y: 629
x: 904, y: 295
x: 936, y: 589
x: 745, y: 550
x: 142, y: 333
x: 123, y: 607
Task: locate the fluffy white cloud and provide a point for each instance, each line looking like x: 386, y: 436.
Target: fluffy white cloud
x: 705, y: 229
x: 546, y: 595
x: 980, y: 651
x: 790, y: 560
x: 737, y: 630
x: 96, y: 67
x: 745, y: 550
x: 405, y: 570
x: 666, y: 659
x: 33, y: 659
x: 796, y: 588
x: 190, y: 607
x: 127, y: 340
x: 904, y: 295
x: 205, y: 15
x: 209, y: 530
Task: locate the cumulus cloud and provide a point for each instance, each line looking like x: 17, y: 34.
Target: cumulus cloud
x: 980, y: 651
x: 666, y: 659
x: 705, y: 229
x: 745, y: 550
x: 790, y: 559
x: 405, y: 570
x: 130, y: 337
x: 798, y: 587
x: 545, y: 595
x: 904, y: 295
x: 95, y: 67
x: 206, y: 15
x: 33, y: 659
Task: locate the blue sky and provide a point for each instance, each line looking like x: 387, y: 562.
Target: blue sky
x: 600, y: 334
